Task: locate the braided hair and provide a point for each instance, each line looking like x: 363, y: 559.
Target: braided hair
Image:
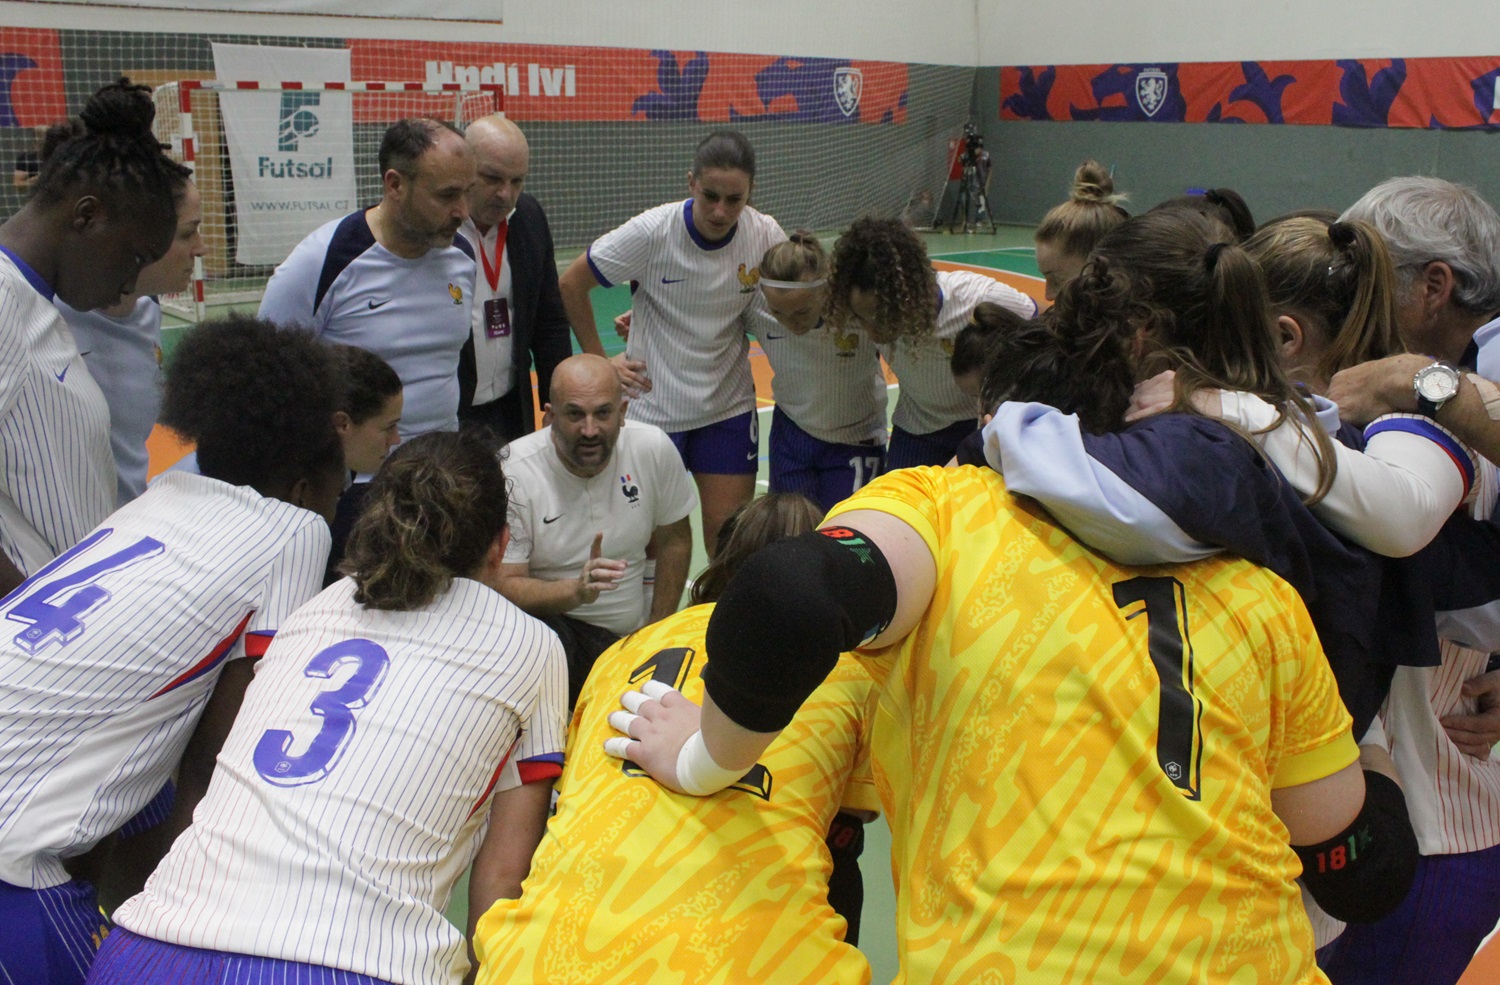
x: 110, y: 152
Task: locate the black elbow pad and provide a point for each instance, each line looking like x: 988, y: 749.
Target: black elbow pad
x: 1363, y: 873
x: 785, y: 617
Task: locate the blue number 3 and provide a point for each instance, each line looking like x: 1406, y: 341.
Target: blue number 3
x: 336, y: 708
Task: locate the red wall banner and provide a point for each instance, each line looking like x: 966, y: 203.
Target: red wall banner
x: 574, y: 83
x: 1426, y: 93
x: 31, y: 78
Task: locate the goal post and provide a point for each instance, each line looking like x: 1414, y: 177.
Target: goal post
x: 270, y: 171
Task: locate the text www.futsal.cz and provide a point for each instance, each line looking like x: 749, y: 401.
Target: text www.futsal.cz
x: 339, y: 205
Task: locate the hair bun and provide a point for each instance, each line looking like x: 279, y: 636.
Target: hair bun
x: 120, y: 108
x: 1092, y: 182
x: 803, y: 237
x: 1212, y: 254
x: 1341, y: 234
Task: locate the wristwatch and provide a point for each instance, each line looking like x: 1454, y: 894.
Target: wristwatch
x: 1435, y: 385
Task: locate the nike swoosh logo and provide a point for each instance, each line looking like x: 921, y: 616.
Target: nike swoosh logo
x: 774, y: 338
x: 549, y: 519
x: 381, y: 304
x: 63, y: 375
x: 678, y: 280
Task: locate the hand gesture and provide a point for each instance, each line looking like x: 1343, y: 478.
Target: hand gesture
x: 658, y: 721
x: 600, y: 574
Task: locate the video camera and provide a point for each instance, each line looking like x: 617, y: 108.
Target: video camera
x: 973, y: 145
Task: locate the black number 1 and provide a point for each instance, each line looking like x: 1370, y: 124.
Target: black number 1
x: 671, y: 666
x: 1179, y: 740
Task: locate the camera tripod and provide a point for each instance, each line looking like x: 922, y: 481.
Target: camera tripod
x: 972, y: 197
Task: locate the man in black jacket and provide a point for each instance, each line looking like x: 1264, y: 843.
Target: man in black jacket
x: 518, y: 317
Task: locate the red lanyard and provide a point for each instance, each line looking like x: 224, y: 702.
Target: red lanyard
x: 492, y: 274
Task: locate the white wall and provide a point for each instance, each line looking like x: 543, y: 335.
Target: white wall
x: 1082, y: 32
x: 936, y: 31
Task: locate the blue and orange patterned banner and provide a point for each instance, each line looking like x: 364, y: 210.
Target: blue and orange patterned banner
x: 554, y: 82
x: 1422, y: 93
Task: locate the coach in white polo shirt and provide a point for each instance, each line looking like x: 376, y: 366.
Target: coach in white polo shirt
x: 396, y: 279
x: 588, y: 493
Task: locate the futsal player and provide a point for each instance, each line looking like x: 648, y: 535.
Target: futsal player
x: 105, y: 194
x: 694, y: 266
x: 635, y: 883
x: 367, y: 767
x: 124, y: 659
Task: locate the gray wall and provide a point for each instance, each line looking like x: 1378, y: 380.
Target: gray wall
x: 1276, y: 168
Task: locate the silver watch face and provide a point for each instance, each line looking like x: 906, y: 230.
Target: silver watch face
x: 1437, y: 383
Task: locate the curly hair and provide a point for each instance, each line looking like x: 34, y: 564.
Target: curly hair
x: 885, y: 257
x: 1338, y: 280
x: 258, y: 400
x: 369, y: 381
x: 751, y: 527
x: 111, y: 152
x: 1092, y: 209
x: 432, y: 513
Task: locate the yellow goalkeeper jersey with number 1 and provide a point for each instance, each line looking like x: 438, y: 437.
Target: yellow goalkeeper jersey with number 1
x: 635, y: 883
x: 1077, y: 758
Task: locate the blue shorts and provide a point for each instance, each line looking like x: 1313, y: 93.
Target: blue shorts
x: 727, y: 447
x: 49, y: 936
x: 130, y: 959
x: 937, y: 448
x: 823, y: 472
x: 1431, y: 937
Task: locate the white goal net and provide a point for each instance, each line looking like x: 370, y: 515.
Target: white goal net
x: 273, y: 161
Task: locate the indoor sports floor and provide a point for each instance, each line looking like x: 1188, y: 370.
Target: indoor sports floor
x: 1007, y: 256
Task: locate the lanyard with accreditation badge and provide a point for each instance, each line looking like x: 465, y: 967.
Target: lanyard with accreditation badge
x: 496, y: 310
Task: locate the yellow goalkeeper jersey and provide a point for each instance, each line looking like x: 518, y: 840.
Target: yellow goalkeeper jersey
x: 1076, y: 758
x: 635, y: 883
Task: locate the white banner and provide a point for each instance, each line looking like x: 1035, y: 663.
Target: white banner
x: 291, y: 153
x: 450, y: 10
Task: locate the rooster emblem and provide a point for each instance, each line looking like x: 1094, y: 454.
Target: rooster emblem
x: 456, y: 293
x: 748, y: 279
x: 845, y: 342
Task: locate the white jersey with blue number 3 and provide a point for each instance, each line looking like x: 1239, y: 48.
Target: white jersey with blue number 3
x: 354, y: 788
x: 110, y: 652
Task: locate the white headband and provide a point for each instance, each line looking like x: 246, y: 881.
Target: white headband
x: 792, y: 285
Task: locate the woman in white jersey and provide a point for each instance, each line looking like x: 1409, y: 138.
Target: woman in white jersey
x: 101, y: 209
x: 828, y: 427
x: 121, y: 344
x: 123, y: 659
x: 882, y: 278
x: 693, y: 267
x: 397, y: 716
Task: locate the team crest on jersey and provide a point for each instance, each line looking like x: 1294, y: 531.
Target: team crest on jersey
x: 630, y: 490
x: 456, y: 293
x: 845, y: 342
x: 947, y: 347
x: 848, y: 83
x: 1151, y: 90
x: 748, y: 279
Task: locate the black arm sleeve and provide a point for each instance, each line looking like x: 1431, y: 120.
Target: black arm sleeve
x: 1363, y: 873
x: 785, y: 617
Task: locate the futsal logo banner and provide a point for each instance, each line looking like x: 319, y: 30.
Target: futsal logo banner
x: 291, y: 153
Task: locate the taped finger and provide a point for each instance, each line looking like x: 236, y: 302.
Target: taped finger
x: 617, y: 747
x: 621, y: 721
x: 657, y: 690
x: 632, y: 700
